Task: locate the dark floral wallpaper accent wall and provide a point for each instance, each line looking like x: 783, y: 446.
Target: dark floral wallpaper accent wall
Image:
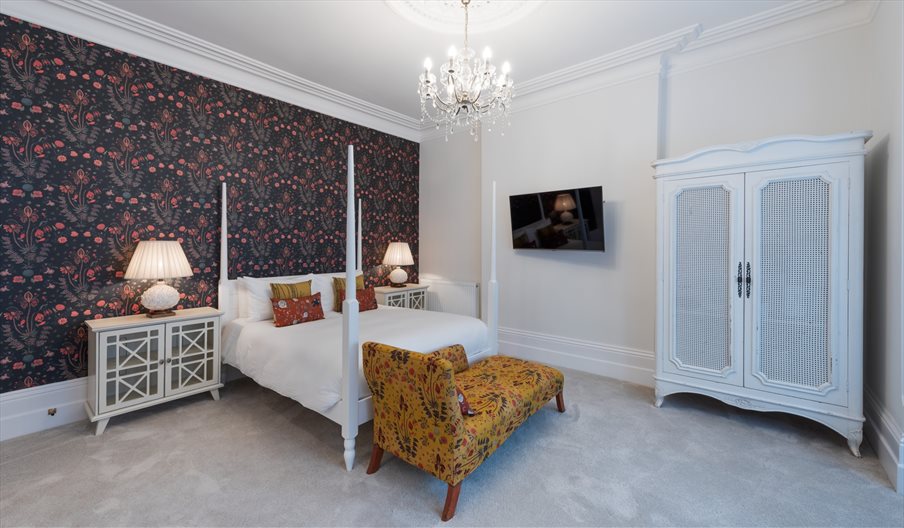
x: 102, y: 149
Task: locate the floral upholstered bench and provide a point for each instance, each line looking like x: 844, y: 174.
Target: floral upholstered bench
x: 419, y: 417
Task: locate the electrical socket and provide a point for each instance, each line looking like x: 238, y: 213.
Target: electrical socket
x: 51, y: 411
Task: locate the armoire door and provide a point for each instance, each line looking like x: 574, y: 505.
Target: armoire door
x: 796, y: 247
x: 704, y: 247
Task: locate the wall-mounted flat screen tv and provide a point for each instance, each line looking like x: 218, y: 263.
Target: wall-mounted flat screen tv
x: 563, y: 219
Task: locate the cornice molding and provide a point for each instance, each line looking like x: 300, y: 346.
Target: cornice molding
x: 690, y: 48
x: 92, y: 20
x: 656, y: 46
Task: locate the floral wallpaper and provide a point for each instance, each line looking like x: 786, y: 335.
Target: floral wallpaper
x: 101, y: 149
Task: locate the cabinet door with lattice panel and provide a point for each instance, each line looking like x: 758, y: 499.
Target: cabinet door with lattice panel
x: 796, y: 245
x: 130, y: 363
x: 704, y: 245
x: 399, y: 300
x: 191, y: 363
x: 417, y: 300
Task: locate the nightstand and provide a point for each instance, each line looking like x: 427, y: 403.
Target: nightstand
x: 412, y: 296
x: 136, y: 362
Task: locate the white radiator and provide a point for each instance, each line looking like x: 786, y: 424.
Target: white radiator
x: 452, y: 296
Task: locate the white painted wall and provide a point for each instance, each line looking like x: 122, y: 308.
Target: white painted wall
x: 884, y: 266
x: 596, y: 312
x: 450, y: 208
x: 604, y: 300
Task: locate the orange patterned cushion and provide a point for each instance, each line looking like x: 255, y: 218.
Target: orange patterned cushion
x: 367, y: 299
x: 298, y: 310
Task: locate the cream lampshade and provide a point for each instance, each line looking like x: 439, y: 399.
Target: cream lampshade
x: 398, y: 254
x: 564, y: 204
x: 158, y: 260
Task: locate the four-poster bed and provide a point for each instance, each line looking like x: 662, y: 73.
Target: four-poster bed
x: 300, y: 361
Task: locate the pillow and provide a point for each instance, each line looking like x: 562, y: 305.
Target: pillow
x: 463, y: 404
x: 339, y: 285
x: 367, y: 299
x: 456, y: 355
x: 287, y: 312
x: 257, y: 296
x: 294, y: 290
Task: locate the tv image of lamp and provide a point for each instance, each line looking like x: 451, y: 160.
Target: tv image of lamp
x: 565, y: 204
x: 159, y: 260
x: 398, y: 254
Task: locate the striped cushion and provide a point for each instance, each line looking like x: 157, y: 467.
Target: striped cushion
x: 339, y: 285
x: 295, y: 290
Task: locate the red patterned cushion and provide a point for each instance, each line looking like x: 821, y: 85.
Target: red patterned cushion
x: 463, y: 404
x: 367, y: 299
x: 298, y: 310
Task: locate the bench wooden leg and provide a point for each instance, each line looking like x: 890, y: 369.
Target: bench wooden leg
x: 560, y: 401
x: 451, y: 501
x: 375, y: 457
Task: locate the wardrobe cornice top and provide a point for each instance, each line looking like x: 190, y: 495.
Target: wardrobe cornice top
x: 773, y: 150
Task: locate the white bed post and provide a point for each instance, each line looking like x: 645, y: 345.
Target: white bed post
x: 493, y: 293
x: 224, y: 300
x: 360, y: 253
x: 350, y: 327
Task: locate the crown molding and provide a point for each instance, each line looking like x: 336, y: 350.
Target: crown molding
x: 114, y: 27
x: 788, y: 24
x: 687, y: 49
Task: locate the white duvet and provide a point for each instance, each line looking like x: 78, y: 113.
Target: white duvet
x: 303, y: 361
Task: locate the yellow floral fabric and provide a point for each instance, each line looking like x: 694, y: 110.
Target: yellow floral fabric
x: 456, y: 355
x: 416, y: 414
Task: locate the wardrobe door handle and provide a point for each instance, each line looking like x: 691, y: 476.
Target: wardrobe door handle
x: 740, y: 280
x: 749, y: 280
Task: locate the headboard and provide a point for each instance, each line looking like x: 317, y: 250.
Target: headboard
x: 228, y: 289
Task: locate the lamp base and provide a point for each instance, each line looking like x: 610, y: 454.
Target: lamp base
x: 398, y: 277
x: 160, y: 299
x: 566, y: 217
x: 153, y: 314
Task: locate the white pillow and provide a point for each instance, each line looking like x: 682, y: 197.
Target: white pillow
x: 257, y: 295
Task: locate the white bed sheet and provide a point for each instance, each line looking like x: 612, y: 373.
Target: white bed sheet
x: 303, y: 362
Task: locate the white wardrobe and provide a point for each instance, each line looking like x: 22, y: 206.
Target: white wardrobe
x: 760, y: 277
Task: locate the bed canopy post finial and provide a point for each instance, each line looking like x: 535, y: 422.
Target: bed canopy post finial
x: 493, y: 294
x: 350, y: 345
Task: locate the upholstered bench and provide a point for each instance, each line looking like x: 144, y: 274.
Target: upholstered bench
x: 417, y: 415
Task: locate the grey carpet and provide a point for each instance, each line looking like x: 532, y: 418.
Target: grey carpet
x: 257, y: 459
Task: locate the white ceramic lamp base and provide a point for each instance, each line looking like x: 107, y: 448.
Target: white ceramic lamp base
x: 398, y: 277
x: 159, y: 299
x: 566, y: 217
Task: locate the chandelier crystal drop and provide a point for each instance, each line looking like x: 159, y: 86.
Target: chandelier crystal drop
x: 469, y: 91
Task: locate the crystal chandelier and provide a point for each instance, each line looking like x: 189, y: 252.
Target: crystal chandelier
x: 469, y: 90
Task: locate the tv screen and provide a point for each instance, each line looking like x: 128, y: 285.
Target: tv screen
x: 563, y: 219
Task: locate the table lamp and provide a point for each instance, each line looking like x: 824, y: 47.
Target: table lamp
x: 398, y: 254
x: 159, y: 260
x: 564, y: 204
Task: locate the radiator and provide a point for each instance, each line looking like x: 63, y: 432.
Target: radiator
x: 452, y: 296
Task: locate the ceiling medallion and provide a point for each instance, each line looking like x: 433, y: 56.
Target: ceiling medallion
x: 444, y: 16
x: 469, y: 91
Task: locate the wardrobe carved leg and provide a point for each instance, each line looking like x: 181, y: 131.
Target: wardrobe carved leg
x: 375, y: 457
x: 451, y: 501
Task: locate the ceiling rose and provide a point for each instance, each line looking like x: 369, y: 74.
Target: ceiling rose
x: 445, y: 16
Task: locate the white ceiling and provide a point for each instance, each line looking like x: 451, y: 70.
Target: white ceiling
x: 365, y: 49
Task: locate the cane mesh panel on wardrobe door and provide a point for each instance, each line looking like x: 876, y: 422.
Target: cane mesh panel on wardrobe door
x: 794, y: 344
x: 702, y: 307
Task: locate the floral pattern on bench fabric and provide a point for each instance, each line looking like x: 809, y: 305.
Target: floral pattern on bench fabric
x: 416, y: 415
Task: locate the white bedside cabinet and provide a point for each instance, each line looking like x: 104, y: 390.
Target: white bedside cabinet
x: 412, y: 296
x: 136, y: 362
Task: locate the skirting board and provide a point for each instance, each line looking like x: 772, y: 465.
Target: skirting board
x: 622, y: 363
x: 26, y: 411
x: 887, y: 439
